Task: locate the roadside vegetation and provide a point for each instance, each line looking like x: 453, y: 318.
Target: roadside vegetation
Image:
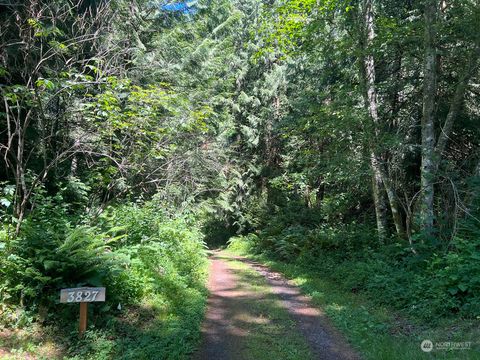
x: 366, y: 299
x: 154, y: 269
x: 337, y: 138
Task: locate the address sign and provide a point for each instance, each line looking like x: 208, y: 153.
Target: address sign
x: 83, y: 294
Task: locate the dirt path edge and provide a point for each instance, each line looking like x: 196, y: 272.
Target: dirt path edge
x: 325, y: 341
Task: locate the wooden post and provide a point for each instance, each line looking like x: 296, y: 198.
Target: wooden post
x: 82, y: 295
x: 83, y: 318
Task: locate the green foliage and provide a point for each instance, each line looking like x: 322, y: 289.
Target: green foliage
x: 377, y: 331
x: 95, y: 345
x: 247, y: 119
x: 137, y: 252
x: 440, y: 285
x: 41, y: 261
x: 243, y: 244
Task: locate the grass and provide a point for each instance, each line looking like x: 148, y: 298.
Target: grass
x: 378, y: 332
x: 154, y: 331
x: 266, y: 323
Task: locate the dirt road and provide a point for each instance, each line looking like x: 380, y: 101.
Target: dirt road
x: 270, y: 319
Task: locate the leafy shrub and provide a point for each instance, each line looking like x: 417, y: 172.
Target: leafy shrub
x: 427, y: 284
x: 243, y: 244
x: 136, y: 252
x: 41, y: 261
x: 157, y: 245
x: 458, y: 275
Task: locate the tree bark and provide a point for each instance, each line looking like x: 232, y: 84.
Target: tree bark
x: 379, y: 200
x: 367, y: 70
x: 428, y: 118
x: 381, y: 179
x: 394, y: 207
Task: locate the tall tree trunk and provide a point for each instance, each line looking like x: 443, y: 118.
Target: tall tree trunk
x: 428, y: 122
x: 380, y: 174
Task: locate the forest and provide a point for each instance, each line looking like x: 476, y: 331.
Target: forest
x: 335, y: 141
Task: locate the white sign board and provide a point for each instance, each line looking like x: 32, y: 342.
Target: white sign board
x: 83, y: 294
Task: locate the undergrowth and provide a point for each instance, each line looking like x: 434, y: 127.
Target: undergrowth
x: 425, y: 282
x: 386, y: 298
x: 152, y: 264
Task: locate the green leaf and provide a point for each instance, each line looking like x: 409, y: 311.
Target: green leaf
x: 45, y: 83
x: 5, y: 202
x: 453, y: 291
